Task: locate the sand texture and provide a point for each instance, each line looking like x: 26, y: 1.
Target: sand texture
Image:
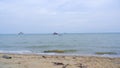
x: 50, y: 61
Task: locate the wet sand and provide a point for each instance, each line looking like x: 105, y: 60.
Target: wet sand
x: 54, y: 61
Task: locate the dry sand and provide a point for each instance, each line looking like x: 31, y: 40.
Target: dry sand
x: 50, y: 61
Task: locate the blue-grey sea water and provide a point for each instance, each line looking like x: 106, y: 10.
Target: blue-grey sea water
x: 106, y: 44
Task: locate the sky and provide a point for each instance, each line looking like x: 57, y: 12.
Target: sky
x: 63, y: 16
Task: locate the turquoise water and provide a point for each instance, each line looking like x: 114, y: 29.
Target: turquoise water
x: 103, y: 44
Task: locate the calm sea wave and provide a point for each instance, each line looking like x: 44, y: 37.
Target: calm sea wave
x: 101, y: 44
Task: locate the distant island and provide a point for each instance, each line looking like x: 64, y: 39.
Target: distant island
x: 20, y: 33
x: 55, y: 33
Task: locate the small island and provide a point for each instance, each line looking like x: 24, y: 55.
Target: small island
x: 20, y: 33
x: 55, y: 33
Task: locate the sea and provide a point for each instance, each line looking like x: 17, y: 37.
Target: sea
x: 83, y: 44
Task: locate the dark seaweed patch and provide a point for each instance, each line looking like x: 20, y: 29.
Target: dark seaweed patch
x: 59, y: 51
x: 102, y: 53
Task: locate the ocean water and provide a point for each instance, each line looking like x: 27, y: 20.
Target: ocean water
x: 100, y: 44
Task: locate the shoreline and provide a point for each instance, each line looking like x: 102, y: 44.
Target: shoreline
x: 64, y: 54
x: 56, y: 61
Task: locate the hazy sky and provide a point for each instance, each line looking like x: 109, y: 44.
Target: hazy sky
x: 46, y: 16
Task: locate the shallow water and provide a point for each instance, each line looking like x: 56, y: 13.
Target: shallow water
x: 81, y: 44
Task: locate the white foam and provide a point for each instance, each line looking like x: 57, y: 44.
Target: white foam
x: 47, y: 53
x: 16, y: 52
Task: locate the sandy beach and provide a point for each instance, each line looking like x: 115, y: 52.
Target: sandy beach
x: 54, y: 61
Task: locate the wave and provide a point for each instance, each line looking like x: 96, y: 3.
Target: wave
x: 38, y: 46
x: 17, y: 52
x: 56, y: 53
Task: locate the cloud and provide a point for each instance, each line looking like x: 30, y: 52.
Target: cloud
x: 54, y: 14
x: 26, y: 7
